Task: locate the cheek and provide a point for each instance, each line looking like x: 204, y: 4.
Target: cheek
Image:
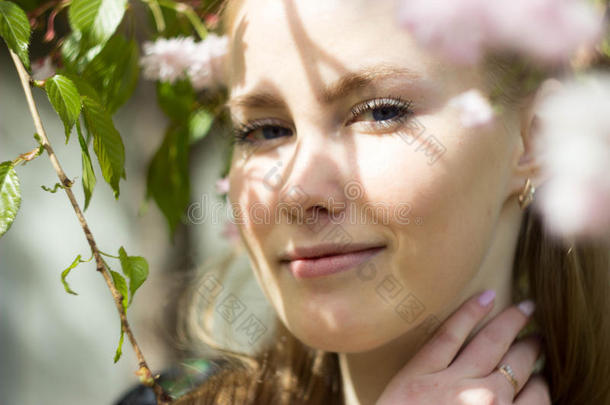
x: 451, y: 201
x: 251, y: 185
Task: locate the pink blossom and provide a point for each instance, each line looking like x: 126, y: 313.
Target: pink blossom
x: 222, y: 185
x: 182, y: 57
x: 167, y: 59
x: 206, y: 68
x: 475, y: 110
x: 462, y: 30
x: 231, y: 232
x: 42, y: 69
x: 454, y: 28
x: 574, y: 143
x: 550, y: 30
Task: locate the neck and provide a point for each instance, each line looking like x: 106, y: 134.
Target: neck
x: 366, y: 374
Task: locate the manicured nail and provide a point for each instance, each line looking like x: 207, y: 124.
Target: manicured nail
x: 486, y: 297
x: 527, y: 307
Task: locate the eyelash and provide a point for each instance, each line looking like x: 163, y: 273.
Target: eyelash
x: 242, y: 130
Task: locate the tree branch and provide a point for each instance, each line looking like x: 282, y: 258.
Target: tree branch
x: 144, y: 371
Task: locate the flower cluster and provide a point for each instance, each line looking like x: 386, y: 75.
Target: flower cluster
x: 170, y: 59
x: 547, y: 30
x: 574, y: 141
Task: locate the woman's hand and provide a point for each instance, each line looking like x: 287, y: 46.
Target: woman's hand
x: 437, y: 374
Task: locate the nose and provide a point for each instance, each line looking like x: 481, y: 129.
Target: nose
x: 314, y: 177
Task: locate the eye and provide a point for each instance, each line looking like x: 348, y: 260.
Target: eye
x: 374, y: 115
x: 260, y: 131
x: 380, y: 113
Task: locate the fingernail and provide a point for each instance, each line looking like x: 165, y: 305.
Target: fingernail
x: 486, y: 297
x: 527, y: 307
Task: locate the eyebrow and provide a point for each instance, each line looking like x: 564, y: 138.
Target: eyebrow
x: 342, y: 87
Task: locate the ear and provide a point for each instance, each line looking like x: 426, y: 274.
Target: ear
x: 527, y: 159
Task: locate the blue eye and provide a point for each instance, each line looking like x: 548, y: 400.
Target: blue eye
x: 386, y: 113
x: 269, y: 129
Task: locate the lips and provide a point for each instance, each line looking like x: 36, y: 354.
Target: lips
x: 330, y: 249
x: 324, y: 260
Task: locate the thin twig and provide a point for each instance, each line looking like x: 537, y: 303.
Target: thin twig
x: 144, y: 371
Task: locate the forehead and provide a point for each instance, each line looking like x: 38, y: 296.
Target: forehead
x: 303, y: 45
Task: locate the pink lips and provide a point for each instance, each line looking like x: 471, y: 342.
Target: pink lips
x: 322, y: 266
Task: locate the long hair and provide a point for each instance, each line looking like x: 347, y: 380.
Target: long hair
x: 568, y: 280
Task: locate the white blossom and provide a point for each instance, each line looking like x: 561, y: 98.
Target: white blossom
x: 462, y: 30
x: 475, y: 110
x: 178, y: 58
x: 167, y: 59
x: 574, y: 143
x: 206, y: 68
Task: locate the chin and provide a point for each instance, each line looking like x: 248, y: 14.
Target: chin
x: 341, y: 339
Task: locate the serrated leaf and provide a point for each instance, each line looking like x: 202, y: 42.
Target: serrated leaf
x: 107, y: 142
x: 121, y: 285
x: 10, y: 196
x: 65, y: 99
x: 168, y: 178
x: 83, y: 87
x: 97, y: 19
x: 114, y: 72
x: 113, y: 161
x: 119, y: 349
x: 64, y: 274
x: 136, y: 270
x: 15, y: 29
x: 88, y: 173
x: 77, y: 52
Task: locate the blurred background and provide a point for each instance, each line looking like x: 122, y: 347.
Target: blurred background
x: 57, y: 348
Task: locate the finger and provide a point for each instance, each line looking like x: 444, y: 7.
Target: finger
x: 487, y: 348
x: 439, y: 351
x: 521, y: 358
x: 535, y: 392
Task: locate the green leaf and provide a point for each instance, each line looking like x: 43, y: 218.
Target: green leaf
x: 98, y: 19
x: 88, y: 173
x: 199, y: 125
x: 84, y: 88
x: 77, y: 52
x: 107, y: 142
x: 114, y: 72
x: 136, y: 270
x: 113, y: 156
x: 119, y: 349
x: 64, y: 97
x: 64, y: 274
x: 15, y: 29
x: 176, y: 100
x: 168, y: 178
x: 10, y: 196
x: 121, y: 285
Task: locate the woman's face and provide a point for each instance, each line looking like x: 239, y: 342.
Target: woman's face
x: 351, y: 126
